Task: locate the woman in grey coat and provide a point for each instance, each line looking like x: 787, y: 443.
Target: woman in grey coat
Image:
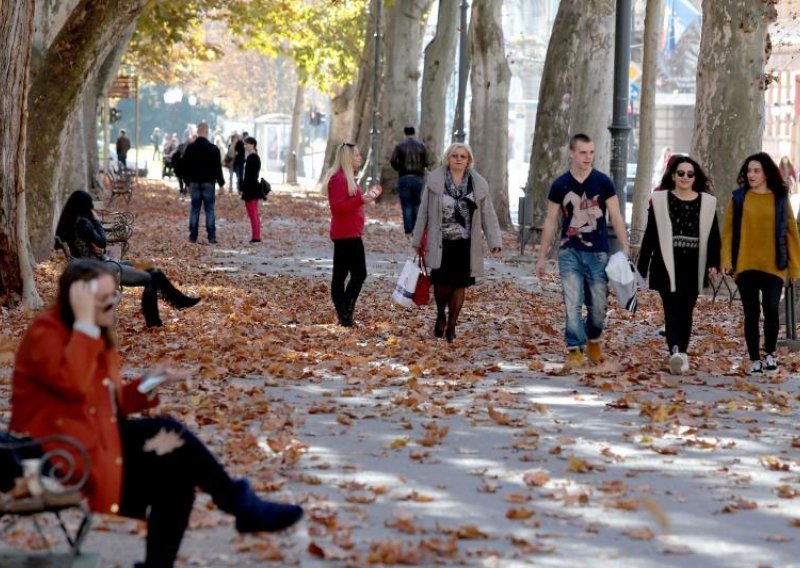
x: 455, y: 208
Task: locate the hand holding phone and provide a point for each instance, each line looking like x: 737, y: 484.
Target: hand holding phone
x: 158, y: 375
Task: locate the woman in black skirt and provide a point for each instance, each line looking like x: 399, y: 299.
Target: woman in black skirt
x: 455, y: 208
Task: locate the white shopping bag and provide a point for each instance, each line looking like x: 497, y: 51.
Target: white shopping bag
x: 404, y: 290
x: 622, y: 279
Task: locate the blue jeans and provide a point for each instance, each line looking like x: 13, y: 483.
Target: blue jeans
x: 584, y: 281
x: 409, y: 188
x: 203, y: 194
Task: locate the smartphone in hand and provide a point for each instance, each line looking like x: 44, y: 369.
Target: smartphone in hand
x: 151, y: 382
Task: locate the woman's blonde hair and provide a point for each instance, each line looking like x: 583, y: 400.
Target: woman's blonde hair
x: 458, y: 146
x: 343, y: 160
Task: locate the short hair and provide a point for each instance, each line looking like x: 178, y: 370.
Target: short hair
x: 579, y: 137
x: 409, y: 131
x: 202, y: 127
x: 251, y: 140
x: 122, y: 131
x: 455, y: 146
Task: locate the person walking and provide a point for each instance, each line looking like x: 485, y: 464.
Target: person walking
x: 201, y: 166
x: 238, y: 161
x: 789, y: 174
x: 347, y: 226
x: 455, y: 213
x: 409, y: 159
x: 67, y: 381
x: 583, y: 196
x: 228, y: 160
x: 251, y: 191
x: 680, y: 250
x: 80, y: 229
x: 155, y: 139
x: 760, y: 248
x: 123, y: 147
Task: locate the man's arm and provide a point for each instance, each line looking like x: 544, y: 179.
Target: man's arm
x: 612, y: 205
x: 548, y: 232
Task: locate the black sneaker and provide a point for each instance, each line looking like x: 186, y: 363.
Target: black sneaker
x: 756, y: 367
x: 771, y: 363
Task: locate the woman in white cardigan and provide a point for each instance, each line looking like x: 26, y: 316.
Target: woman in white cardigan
x: 680, y: 249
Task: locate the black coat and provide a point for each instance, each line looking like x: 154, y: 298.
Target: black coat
x: 250, y: 181
x: 202, y: 163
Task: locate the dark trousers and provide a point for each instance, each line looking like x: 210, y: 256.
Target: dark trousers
x: 751, y: 283
x: 678, y: 311
x: 348, y: 258
x: 203, y: 195
x: 409, y: 189
x: 161, y: 488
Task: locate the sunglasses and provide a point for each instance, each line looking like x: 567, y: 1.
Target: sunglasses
x: 682, y: 173
x: 111, y: 303
x: 348, y: 144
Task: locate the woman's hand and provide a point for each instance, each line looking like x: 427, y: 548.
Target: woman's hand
x: 727, y: 270
x: 81, y: 299
x: 712, y: 272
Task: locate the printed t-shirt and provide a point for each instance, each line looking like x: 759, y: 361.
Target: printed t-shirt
x: 583, y: 205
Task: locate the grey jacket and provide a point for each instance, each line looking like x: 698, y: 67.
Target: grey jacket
x: 429, y: 218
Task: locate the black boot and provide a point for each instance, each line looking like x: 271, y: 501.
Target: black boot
x: 346, y: 319
x: 253, y: 514
x: 150, y: 307
x: 170, y: 294
x: 438, y: 327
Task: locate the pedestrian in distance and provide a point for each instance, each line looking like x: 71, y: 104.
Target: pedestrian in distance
x: 680, y: 250
x: 80, y: 229
x: 155, y: 139
x: 227, y: 161
x: 201, y: 167
x: 760, y: 248
x: 67, y: 381
x: 409, y: 159
x: 583, y: 196
x: 455, y: 213
x: 123, y: 147
x: 789, y: 174
x: 346, y: 202
x: 251, y: 191
x: 238, y: 161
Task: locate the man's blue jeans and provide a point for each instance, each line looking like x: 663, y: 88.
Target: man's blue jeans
x: 202, y: 194
x: 584, y: 282
x: 409, y: 188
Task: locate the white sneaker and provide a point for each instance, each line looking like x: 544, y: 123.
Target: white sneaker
x: 685, y: 363
x: 756, y: 367
x: 675, y: 362
x: 771, y: 363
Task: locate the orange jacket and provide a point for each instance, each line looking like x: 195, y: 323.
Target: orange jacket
x: 68, y: 383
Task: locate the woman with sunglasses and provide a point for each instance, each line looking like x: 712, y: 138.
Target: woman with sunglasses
x: 80, y: 229
x: 455, y: 213
x: 347, y: 226
x: 67, y: 381
x: 760, y: 248
x: 680, y: 250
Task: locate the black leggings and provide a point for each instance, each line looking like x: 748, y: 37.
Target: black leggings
x: 751, y: 283
x: 348, y: 258
x: 678, y: 311
x: 161, y: 488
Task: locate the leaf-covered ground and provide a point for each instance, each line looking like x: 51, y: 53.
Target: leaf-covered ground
x: 407, y: 450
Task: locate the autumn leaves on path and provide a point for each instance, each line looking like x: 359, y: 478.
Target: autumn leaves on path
x: 404, y: 449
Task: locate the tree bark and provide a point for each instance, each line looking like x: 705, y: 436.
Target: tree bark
x: 653, y: 21
x: 294, y: 136
x: 440, y: 56
x: 405, y: 25
x: 362, y: 117
x: 16, y: 269
x: 490, y: 78
x: 340, y: 124
x: 729, y: 112
x: 85, y: 39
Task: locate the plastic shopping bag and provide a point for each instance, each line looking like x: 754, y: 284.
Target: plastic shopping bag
x: 622, y: 279
x: 404, y: 290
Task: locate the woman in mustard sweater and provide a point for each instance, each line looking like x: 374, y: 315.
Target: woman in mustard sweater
x: 761, y: 248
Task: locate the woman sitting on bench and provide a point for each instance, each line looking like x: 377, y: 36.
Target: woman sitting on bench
x: 67, y: 381
x: 80, y: 229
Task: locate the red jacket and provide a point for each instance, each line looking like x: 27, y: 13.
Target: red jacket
x: 347, y: 212
x: 68, y: 383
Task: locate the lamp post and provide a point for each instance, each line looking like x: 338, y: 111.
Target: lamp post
x: 619, y: 123
x: 373, y: 172
x: 463, y: 72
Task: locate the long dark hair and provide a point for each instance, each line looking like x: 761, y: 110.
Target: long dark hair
x: 775, y: 181
x: 82, y: 269
x: 701, y: 182
x: 79, y: 204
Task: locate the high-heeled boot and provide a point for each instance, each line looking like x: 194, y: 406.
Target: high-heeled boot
x: 254, y: 514
x: 150, y: 307
x: 170, y: 294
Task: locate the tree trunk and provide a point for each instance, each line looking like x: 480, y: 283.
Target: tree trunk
x: 85, y: 39
x: 341, y: 123
x: 729, y: 112
x: 16, y: 270
x: 653, y: 21
x: 362, y: 117
x: 440, y: 56
x: 294, y: 136
x: 405, y: 25
x: 490, y: 78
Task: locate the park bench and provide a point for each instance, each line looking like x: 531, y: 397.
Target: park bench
x: 63, y: 471
x: 117, y: 184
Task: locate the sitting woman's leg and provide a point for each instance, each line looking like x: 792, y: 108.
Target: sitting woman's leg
x: 130, y: 276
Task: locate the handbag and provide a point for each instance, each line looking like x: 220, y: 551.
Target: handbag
x: 264, y: 187
x: 403, y: 293
x: 422, y: 293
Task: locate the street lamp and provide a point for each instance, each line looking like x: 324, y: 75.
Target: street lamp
x: 373, y: 172
x: 619, y: 123
x: 463, y: 72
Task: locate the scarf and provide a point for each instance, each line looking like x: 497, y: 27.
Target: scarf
x: 463, y: 196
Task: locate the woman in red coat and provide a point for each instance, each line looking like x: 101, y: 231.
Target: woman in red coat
x: 67, y: 381
x: 347, y: 225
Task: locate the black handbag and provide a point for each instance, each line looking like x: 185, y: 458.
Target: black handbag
x: 264, y: 187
